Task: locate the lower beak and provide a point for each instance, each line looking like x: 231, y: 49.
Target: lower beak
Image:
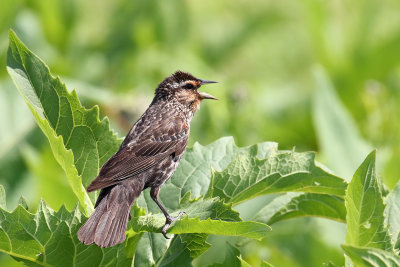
x: 204, y: 95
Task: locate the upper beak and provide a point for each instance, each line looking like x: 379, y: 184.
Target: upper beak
x: 204, y: 95
x: 206, y: 81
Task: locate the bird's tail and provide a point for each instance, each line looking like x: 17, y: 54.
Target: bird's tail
x: 106, y: 227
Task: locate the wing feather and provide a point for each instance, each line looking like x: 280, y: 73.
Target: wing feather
x: 137, y: 157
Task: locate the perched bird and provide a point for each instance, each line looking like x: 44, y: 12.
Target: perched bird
x: 147, y: 157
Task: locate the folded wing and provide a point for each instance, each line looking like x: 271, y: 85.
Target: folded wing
x: 138, y: 157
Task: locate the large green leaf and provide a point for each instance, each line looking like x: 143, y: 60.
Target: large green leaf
x: 296, y: 204
x: 81, y: 143
x: 341, y: 144
x: 48, y: 238
x: 194, y: 171
x: 371, y: 257
x: 365, y: 207
x: 209, y: 216
x: 283, y: 171
x: 192, y: 175
x: 196, y: 168
x: 204, y: 216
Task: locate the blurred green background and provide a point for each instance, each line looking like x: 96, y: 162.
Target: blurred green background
x: 317, y: 75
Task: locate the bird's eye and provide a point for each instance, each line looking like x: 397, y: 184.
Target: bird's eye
x: 188, y: 86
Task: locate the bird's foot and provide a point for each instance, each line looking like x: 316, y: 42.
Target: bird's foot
x: 169, y: 220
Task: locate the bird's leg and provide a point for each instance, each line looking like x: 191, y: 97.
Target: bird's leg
x: 168, y: 218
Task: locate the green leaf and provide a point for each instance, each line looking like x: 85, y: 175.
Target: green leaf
x: 195, y: 225
x: 194, y: 171
x: 80, y: 142
x: 183, y: 249
x: 232, y: 255
x: 365, y: 207
x: 243, y: 263
x: 48, y: 238
x: 204, y: 216
x: 341, y: 144
x: 293, y: 205
x: 362, y: 256
x: 266, y: 264
x: 22, y: 202
x: 195, y: 167
x: 392, y: 211
x: 191, y: 177
x: 283, y: 171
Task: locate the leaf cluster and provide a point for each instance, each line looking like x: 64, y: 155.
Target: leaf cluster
x: 210, y: 181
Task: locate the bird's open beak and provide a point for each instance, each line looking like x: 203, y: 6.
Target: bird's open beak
x: 204, y: 95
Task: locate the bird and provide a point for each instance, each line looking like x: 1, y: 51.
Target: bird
x: 147, y: 158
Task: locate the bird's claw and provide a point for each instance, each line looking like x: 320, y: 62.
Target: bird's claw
x: 169, y: 220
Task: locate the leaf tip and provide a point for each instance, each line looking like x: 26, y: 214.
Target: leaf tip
x: 372, y: 154
x: 12, y: 34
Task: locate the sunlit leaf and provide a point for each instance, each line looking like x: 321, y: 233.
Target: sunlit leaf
x: 293, y: 205
x: 48, y: 238
x: 79, y: 140
x: 341, y: 143
x: 192, y: 175
x: 365, y: 207
x: 283, y: 171
x: 371, y: 257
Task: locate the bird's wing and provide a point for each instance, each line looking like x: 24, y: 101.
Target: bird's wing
x: 142, y: 154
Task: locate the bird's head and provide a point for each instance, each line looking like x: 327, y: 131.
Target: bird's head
x: 183, y: 87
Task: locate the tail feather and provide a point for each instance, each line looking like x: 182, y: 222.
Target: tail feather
x: 117, y: 231
x: 86, y: 233
x: 106, y: 227
x: 111, y: 229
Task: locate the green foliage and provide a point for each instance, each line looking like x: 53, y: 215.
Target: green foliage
x: 338, y: 136
x: 392, y: 218
x: 255, y: 170
x: 365, y: 207
x: 362, y: 256
x: 210, y: 216
x: 232, y: 258
x: 80, y: 142
x: 292, y: 205
x: 265, y: 95
x: 48, y: 238
x: 368, y: 241
x: 247, y: 176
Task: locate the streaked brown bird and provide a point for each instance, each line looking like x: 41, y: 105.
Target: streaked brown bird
x: 147, y: 157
